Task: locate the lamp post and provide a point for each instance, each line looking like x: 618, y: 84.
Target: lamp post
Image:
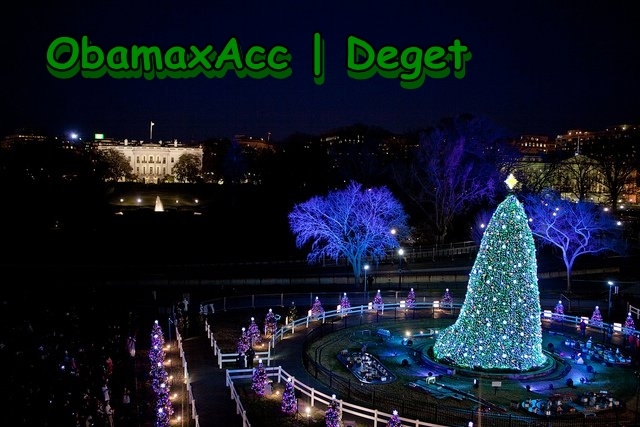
x: 400, y: 253
x: 366, y: 300
x: 609, y: 309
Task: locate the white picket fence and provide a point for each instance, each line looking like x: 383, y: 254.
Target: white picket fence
x: 317, y: 398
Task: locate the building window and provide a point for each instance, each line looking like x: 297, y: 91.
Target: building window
x: 164, y: 160
x: 150, y: 159
x: 137, y: 159
x: 172, y: 160
x: 164, y: 171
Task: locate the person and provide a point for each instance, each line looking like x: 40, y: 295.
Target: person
x: 583, y: 328
x: 108, y: 410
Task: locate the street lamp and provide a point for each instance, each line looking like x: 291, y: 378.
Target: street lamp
x: 400, y: 253
x: 366, y: 300
x: 609, y: 309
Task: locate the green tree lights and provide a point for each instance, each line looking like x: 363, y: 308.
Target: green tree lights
x: 499, y: 323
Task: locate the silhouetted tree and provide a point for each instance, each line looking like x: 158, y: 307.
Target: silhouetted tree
x: 617, y: 156
x: 112, y: 165
x: 574, y: 228
x: 578, y: 176
x: 187, y: 168
x: 455, y: 168
x: 354, y: 222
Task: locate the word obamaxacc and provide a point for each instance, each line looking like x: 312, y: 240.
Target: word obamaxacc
x: 65, y: 58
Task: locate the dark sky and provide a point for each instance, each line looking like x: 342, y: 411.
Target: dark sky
x: 537, y: 68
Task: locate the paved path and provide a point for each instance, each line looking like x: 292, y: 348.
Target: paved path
x: 213, y: 402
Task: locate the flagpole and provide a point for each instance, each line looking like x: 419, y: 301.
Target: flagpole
x: 151, y: 132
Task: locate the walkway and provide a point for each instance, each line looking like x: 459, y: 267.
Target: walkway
x: 213, y: 401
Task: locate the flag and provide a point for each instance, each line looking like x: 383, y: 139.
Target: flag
x: 152, y: 123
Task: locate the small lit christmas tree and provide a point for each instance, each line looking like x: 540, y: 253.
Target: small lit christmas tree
x: 292, y: 314
x: 332, y: 416
x: 411, y: 299
x: 447, y: 299
x: 254, y: 333
x: 345, y: 304
x: 243, y: 344
x: 596, y: 317
x: 394, y: 421
x: 558, y: 311
x: 629, y: 325
x: 289, y: 403
x: 377, y: 301
x: 270, y: 323
x: 259, y: 379
x: 316, y: 308
x: 159, y: 377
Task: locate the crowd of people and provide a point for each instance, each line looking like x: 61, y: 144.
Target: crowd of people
x: 72, y: 361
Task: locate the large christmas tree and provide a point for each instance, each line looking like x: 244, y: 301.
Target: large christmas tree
x: 499, y: 323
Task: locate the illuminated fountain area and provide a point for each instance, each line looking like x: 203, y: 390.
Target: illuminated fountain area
x: 159, y: 206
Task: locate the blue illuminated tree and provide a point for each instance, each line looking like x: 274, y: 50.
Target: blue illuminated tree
x: 332, y: 415
x: 411, y: 299
x: 499, y: 323
x: 394, y: 421
x: 575, y: 229
x: 353, y: 223
x: 289, y: 403
x: 454, y: 169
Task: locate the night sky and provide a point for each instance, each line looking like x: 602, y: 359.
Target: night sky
x: 534, y: 69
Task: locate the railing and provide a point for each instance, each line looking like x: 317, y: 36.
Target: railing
x: 315, y: 397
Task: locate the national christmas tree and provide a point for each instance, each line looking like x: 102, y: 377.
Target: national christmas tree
x: 332, y: 415
x: 447, y: 299
x: 629, y: 325
x: 316, y: 308
x: 411, y: 299
x: 270, y: 323
x: 499, y: 323
x: 394, y: 421
x: 254, y: 333
x: 345, y: 304
x: 259, y: 379
x: 159, y: 377
x: 289, y: 404
x: 596, y: 317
